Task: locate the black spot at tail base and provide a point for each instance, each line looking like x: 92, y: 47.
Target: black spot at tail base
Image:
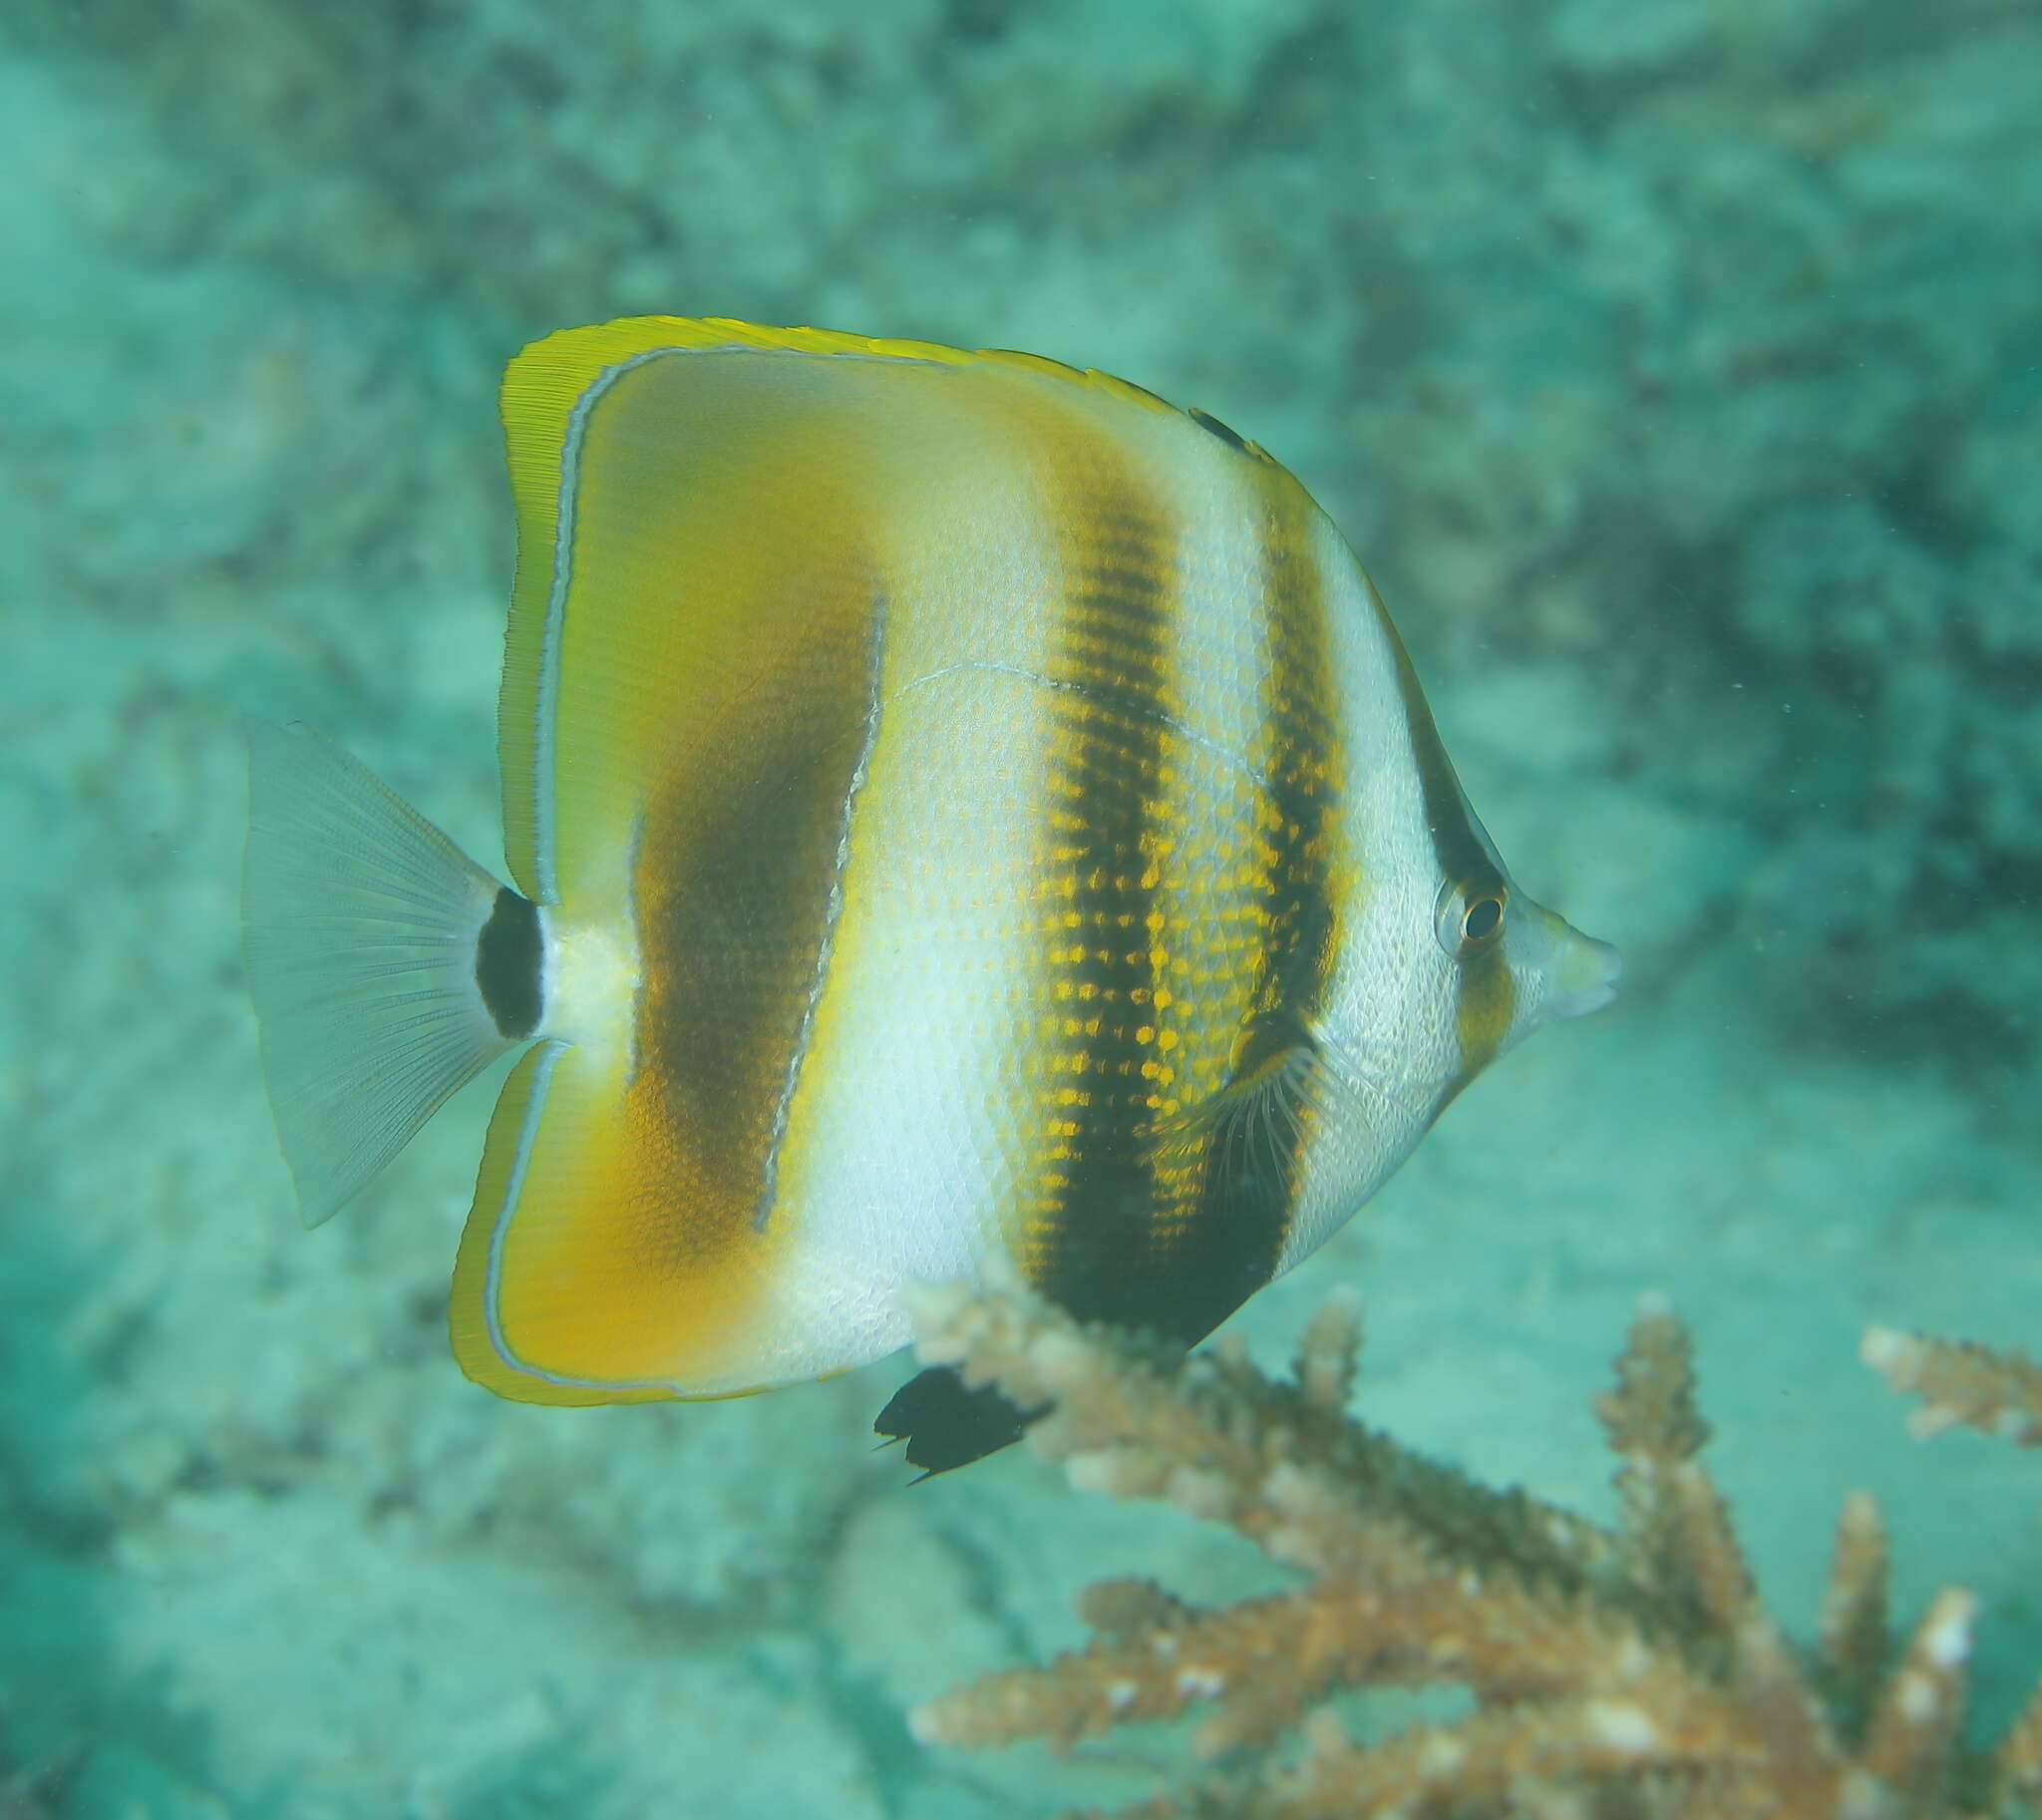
x: 947, y: 1425
x: 508, y: 955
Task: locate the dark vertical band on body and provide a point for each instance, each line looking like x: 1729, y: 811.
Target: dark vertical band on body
x: 1250, y: 1176
x: 1171, y: 1223
x: 1094, y: 1252
x: 738, y: 888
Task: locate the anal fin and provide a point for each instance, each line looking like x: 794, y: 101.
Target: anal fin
x: 947, y: 1424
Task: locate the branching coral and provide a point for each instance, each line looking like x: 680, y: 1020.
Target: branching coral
x: 1960, y: 1383
x: 1615, y: 1671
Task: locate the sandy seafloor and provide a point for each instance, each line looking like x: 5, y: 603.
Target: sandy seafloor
x: 1675, y: 367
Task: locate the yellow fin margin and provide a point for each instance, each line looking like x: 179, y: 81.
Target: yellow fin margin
x: 552, y: 1298
x: 468, y: 1307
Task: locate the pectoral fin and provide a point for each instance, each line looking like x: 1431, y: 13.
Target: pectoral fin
x: 1232, y: 1162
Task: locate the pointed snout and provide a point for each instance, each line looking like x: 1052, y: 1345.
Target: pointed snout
x: 1578, y: 975
x: 1586, y: 977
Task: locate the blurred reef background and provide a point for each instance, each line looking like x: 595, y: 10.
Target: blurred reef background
x: 1675, y: 366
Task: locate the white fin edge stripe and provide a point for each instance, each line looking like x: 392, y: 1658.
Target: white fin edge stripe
x: 528, y: 1135
x: 546, y: 695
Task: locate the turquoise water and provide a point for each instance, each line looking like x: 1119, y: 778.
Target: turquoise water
x: 1675, y: 369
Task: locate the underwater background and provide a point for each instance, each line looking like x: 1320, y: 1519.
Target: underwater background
x: 1675, y: 366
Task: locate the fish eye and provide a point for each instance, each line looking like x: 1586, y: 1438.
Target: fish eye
x: 1470, y: 916
x: 1481, y: 919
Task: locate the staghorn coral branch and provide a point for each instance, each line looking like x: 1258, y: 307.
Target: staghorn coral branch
x: 1629, y: 1673
x: 1916, y: 1719
x: 1430, y: 1768
x: 1650, y: 1416
x: 2017, y: 1764
x: 1327, y: 1352
x: 1803, y: 1769
x: 1268, y: 1659
x: 1851, y: 1641
x: 1686, y: 1549
x: 1210, y: 1435
x: 1960, y: 1383
x: 1144, y: 1668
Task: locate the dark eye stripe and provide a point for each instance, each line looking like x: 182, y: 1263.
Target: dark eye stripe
x: 1486, y: 995
x: 1459, y: 850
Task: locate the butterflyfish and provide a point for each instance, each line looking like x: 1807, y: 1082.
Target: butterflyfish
x: 962, y: 814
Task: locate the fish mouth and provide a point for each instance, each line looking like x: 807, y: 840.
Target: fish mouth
x: 1585, y: 979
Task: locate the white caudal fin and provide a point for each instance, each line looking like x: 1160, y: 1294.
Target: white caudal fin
x: 360, y: 925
